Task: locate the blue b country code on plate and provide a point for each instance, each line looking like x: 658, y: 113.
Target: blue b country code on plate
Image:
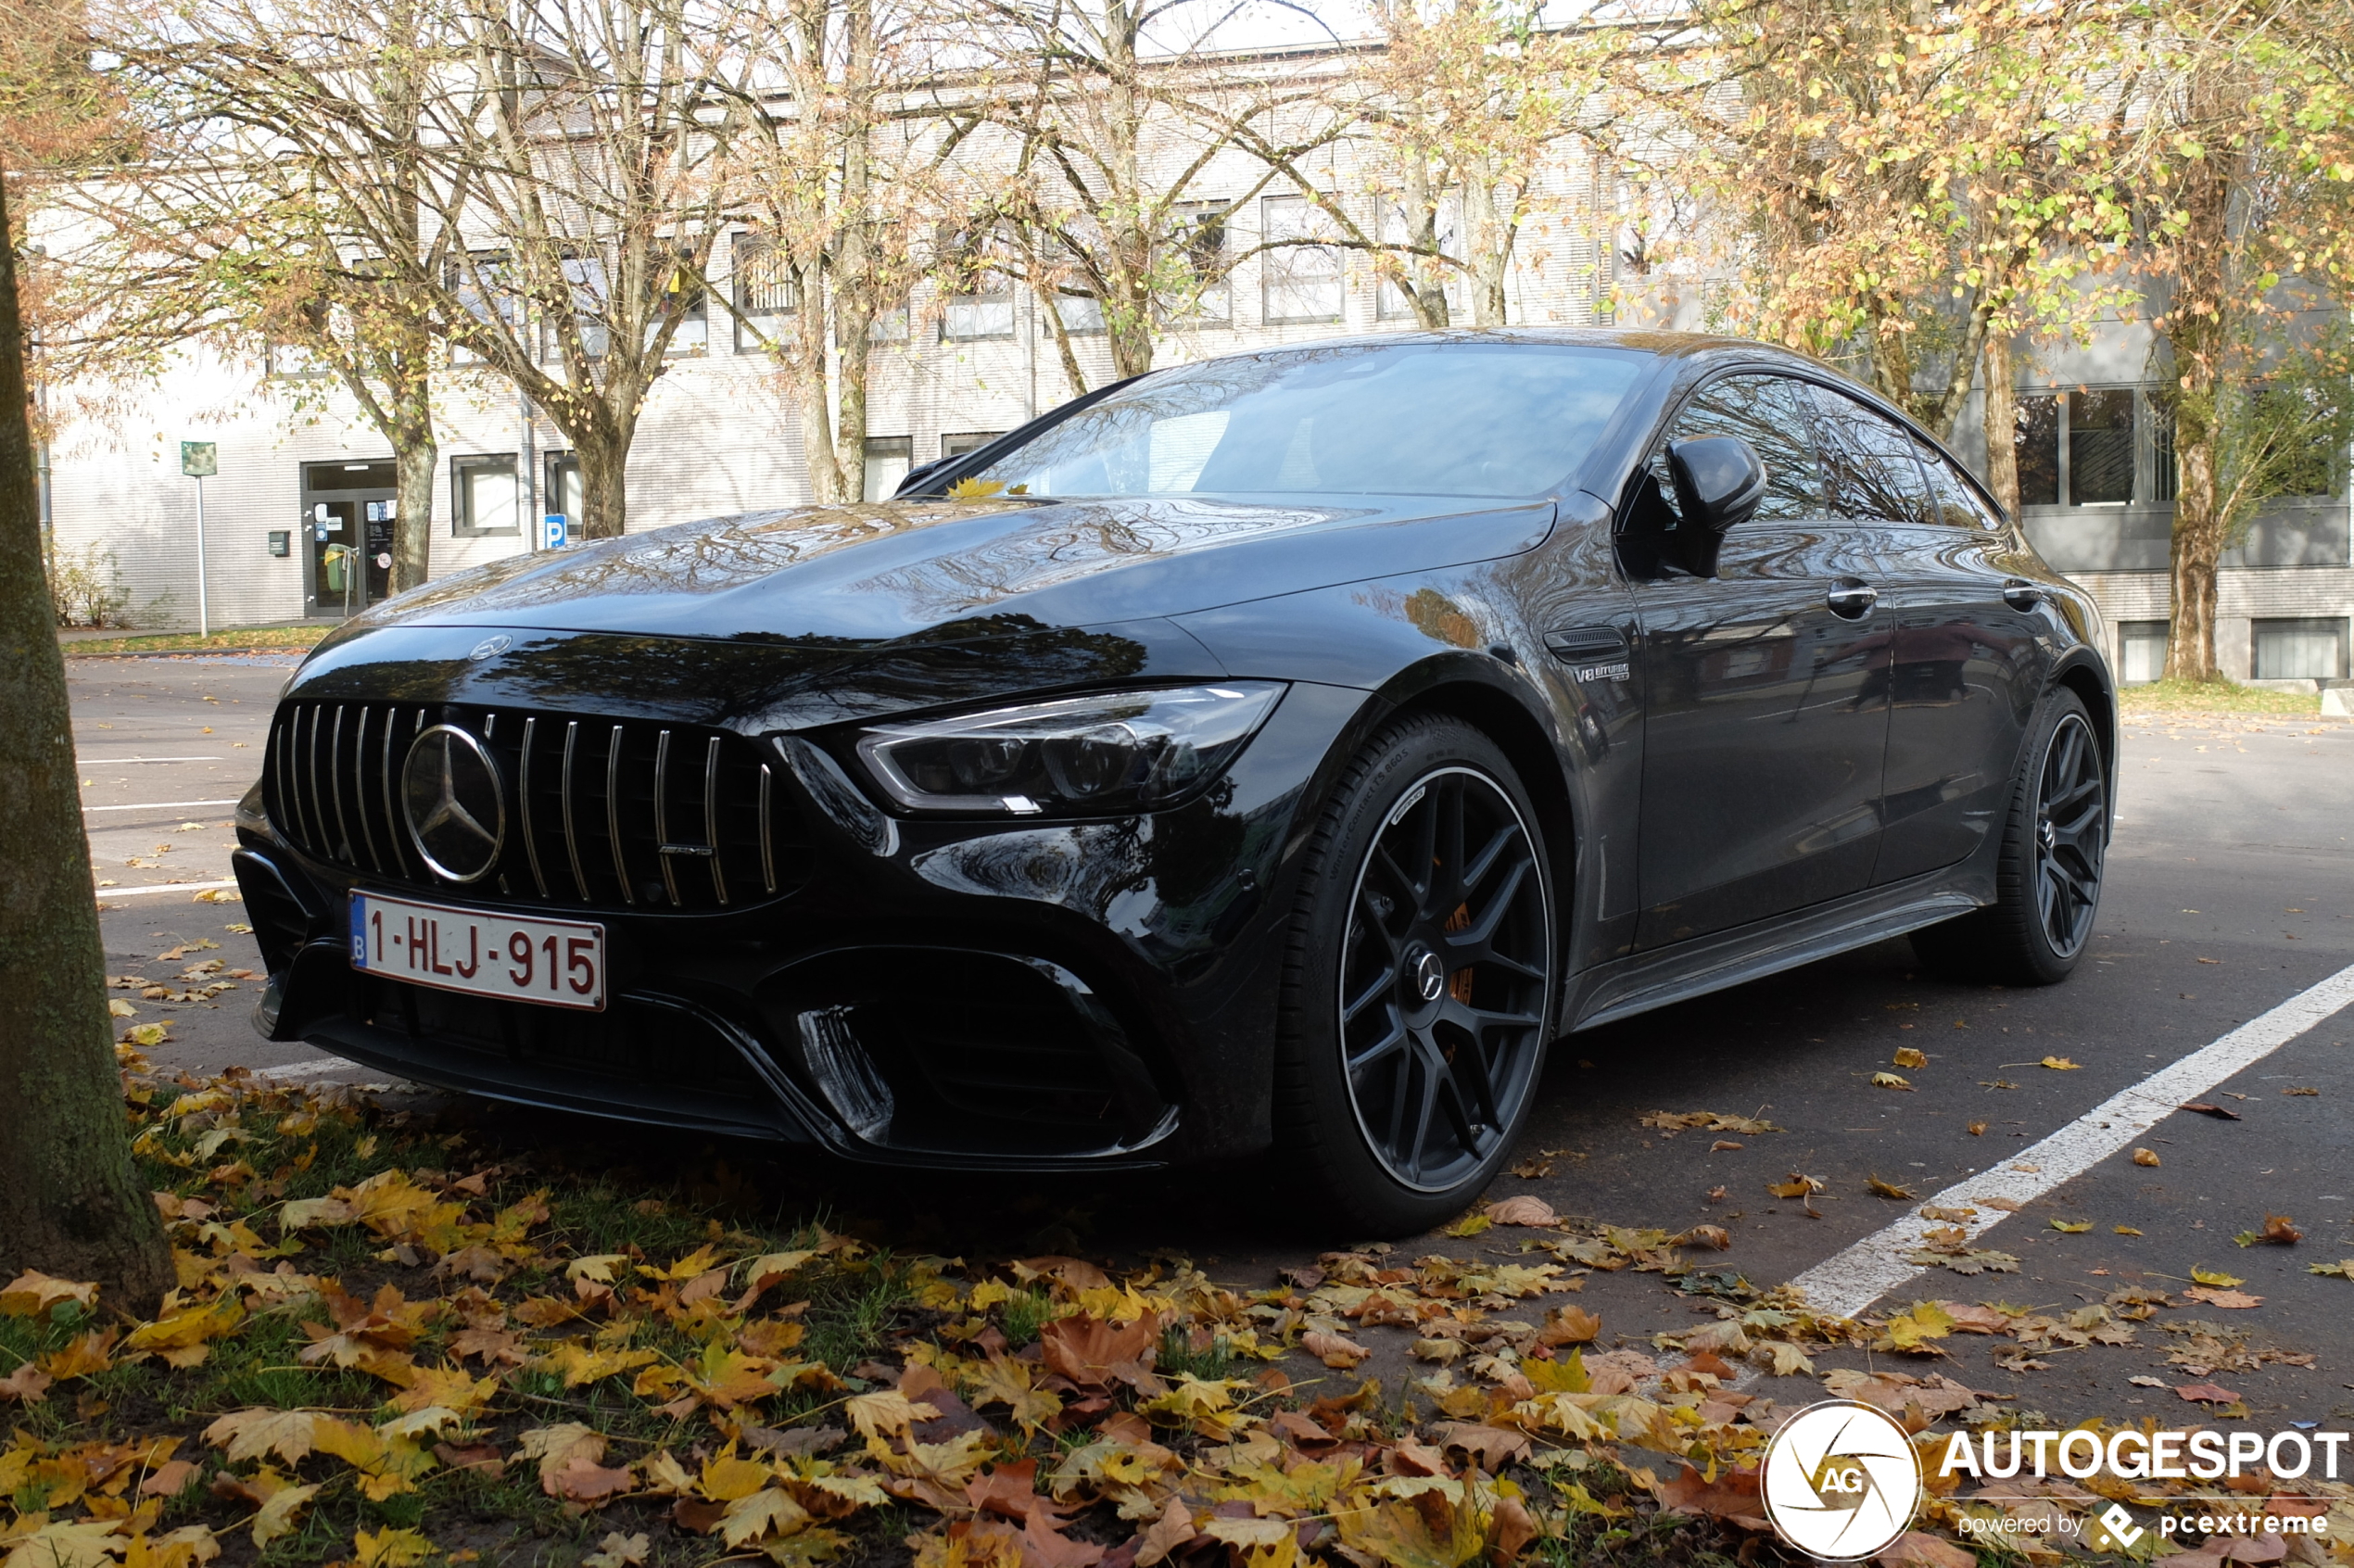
x: 479, y: 952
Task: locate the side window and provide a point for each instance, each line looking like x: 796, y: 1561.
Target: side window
x: 1953, y: 500
x: 1868, y: 464
x: 1767, y: 411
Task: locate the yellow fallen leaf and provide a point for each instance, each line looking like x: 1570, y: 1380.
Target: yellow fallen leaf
x: 32, y: 1294
x: 2127, y: 1230
x: 1888, y: 1080
x: 2061, y: 1064
x: 2145, y: 1156
x: 2215, y: 1277
x: 2071, y: 1226
x: 1907, y: 1056
x: 389, y: 1548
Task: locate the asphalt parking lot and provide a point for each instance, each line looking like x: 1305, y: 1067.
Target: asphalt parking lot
x: 2230, y: 892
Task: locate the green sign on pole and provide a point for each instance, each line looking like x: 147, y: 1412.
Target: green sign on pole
x: 199, y: 459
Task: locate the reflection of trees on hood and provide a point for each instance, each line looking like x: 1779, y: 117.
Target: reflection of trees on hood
x: 711, y: 556
x: 1075, y: 540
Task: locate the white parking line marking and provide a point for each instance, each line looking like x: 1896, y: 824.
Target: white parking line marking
x: 1851, y: 1281
x: 159, y: 805
x: 109, y: 761
x: 163, y: 888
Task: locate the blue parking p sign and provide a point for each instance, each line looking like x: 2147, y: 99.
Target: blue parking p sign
x: 554, y: 531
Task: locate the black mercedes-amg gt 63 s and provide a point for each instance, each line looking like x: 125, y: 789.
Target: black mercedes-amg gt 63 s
x: 1266, y: 756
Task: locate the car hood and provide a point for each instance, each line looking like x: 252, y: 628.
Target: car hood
x: 859, y: 575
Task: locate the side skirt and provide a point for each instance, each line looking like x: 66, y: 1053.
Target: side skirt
x: 1626, y: 986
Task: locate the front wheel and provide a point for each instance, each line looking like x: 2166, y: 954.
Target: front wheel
x: 1420, y: 981
x: 2049, y: 882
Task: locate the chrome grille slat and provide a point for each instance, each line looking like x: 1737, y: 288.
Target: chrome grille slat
x: 711, y: 818
x: 572, y: 840
x: 327, y: 762
x: 311, y: 772
x: 523, y: 790
x: 613, y: 816
x: 392, y: 813
x: 360, y: 790
x: 335, y: 785
x: 662, y: 815
x: 767, y: 835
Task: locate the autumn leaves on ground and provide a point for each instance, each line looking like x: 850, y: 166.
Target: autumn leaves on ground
x: 392, y: 1344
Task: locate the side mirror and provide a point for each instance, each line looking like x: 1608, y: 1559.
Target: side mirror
x: 1720, y: 480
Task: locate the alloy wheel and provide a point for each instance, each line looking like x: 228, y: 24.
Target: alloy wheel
x: 2069, y: 829
x: 1445, y: 975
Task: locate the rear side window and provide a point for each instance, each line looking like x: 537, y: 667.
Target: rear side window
x: 1870, y: 468
x: 1769, y: 412
x: 1951, y: 498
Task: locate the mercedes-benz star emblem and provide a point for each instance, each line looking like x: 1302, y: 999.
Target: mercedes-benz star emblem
x: 490, y: 646
x: 455, y: 802
x: 1430, y: 975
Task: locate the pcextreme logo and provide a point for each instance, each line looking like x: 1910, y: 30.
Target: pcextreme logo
x: 1841, y: 1481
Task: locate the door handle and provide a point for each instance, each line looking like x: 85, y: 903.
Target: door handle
x: 1852, y: 599
x: 2020, y: 594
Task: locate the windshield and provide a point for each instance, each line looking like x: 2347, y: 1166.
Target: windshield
x: 1456, y: 419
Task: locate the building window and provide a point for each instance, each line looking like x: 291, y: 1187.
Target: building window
x: 585, y: 275
x: 2077, y: 445
x: 485, y: 292
x: 2166, y: 473
x: 2141, y: 650
x: 1299, y: 282
x: 957, y: 446
x: 1082, y: 314
x: 2036, y: 447
x: 2100, y: 447
x: 292, y: 361
x: 684, y: 301
x: 987, y: 312
x: 2300, y: 650
x: 764, y: 290
x: 890, y: 325
x: 481, y: 495
x: 1201, y: 234
x: 888, y: 460
x: 1397, y: 227
x: 562, y: 495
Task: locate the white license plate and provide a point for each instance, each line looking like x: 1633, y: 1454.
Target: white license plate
x: 556, y: 963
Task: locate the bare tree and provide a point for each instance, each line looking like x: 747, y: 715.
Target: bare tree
x: 283, y: 205
x: 1109, y: 212
x: 842, y: 189
x: 1468, y: 115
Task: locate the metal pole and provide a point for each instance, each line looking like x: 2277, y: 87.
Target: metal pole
x: 204, y: 609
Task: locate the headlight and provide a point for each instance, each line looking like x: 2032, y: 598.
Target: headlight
x: 1082, y: 756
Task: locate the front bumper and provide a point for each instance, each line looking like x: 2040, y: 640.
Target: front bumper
x: 965, y: 994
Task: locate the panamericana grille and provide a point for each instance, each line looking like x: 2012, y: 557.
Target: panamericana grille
x: 599, y: 813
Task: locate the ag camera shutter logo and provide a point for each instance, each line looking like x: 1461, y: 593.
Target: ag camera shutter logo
x: 1841, y: 1481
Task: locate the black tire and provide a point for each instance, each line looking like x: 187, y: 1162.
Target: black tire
x: 1395, y: 1103
x: 2048, y: 880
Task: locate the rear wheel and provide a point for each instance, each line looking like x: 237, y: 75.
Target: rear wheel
x: 2048, y: 882
x: 1420, y: 981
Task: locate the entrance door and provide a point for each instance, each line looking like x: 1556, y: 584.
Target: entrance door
x: 347, y: 519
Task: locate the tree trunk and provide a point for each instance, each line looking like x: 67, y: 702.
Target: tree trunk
x: 2001, y: 424
x: 415, y: 458
x: 75, y: 1207
x: 2197, y: 329
x: 2197, y: 551
x: 604, y: 484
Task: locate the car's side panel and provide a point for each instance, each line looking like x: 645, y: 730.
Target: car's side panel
x: 1970, y: 670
